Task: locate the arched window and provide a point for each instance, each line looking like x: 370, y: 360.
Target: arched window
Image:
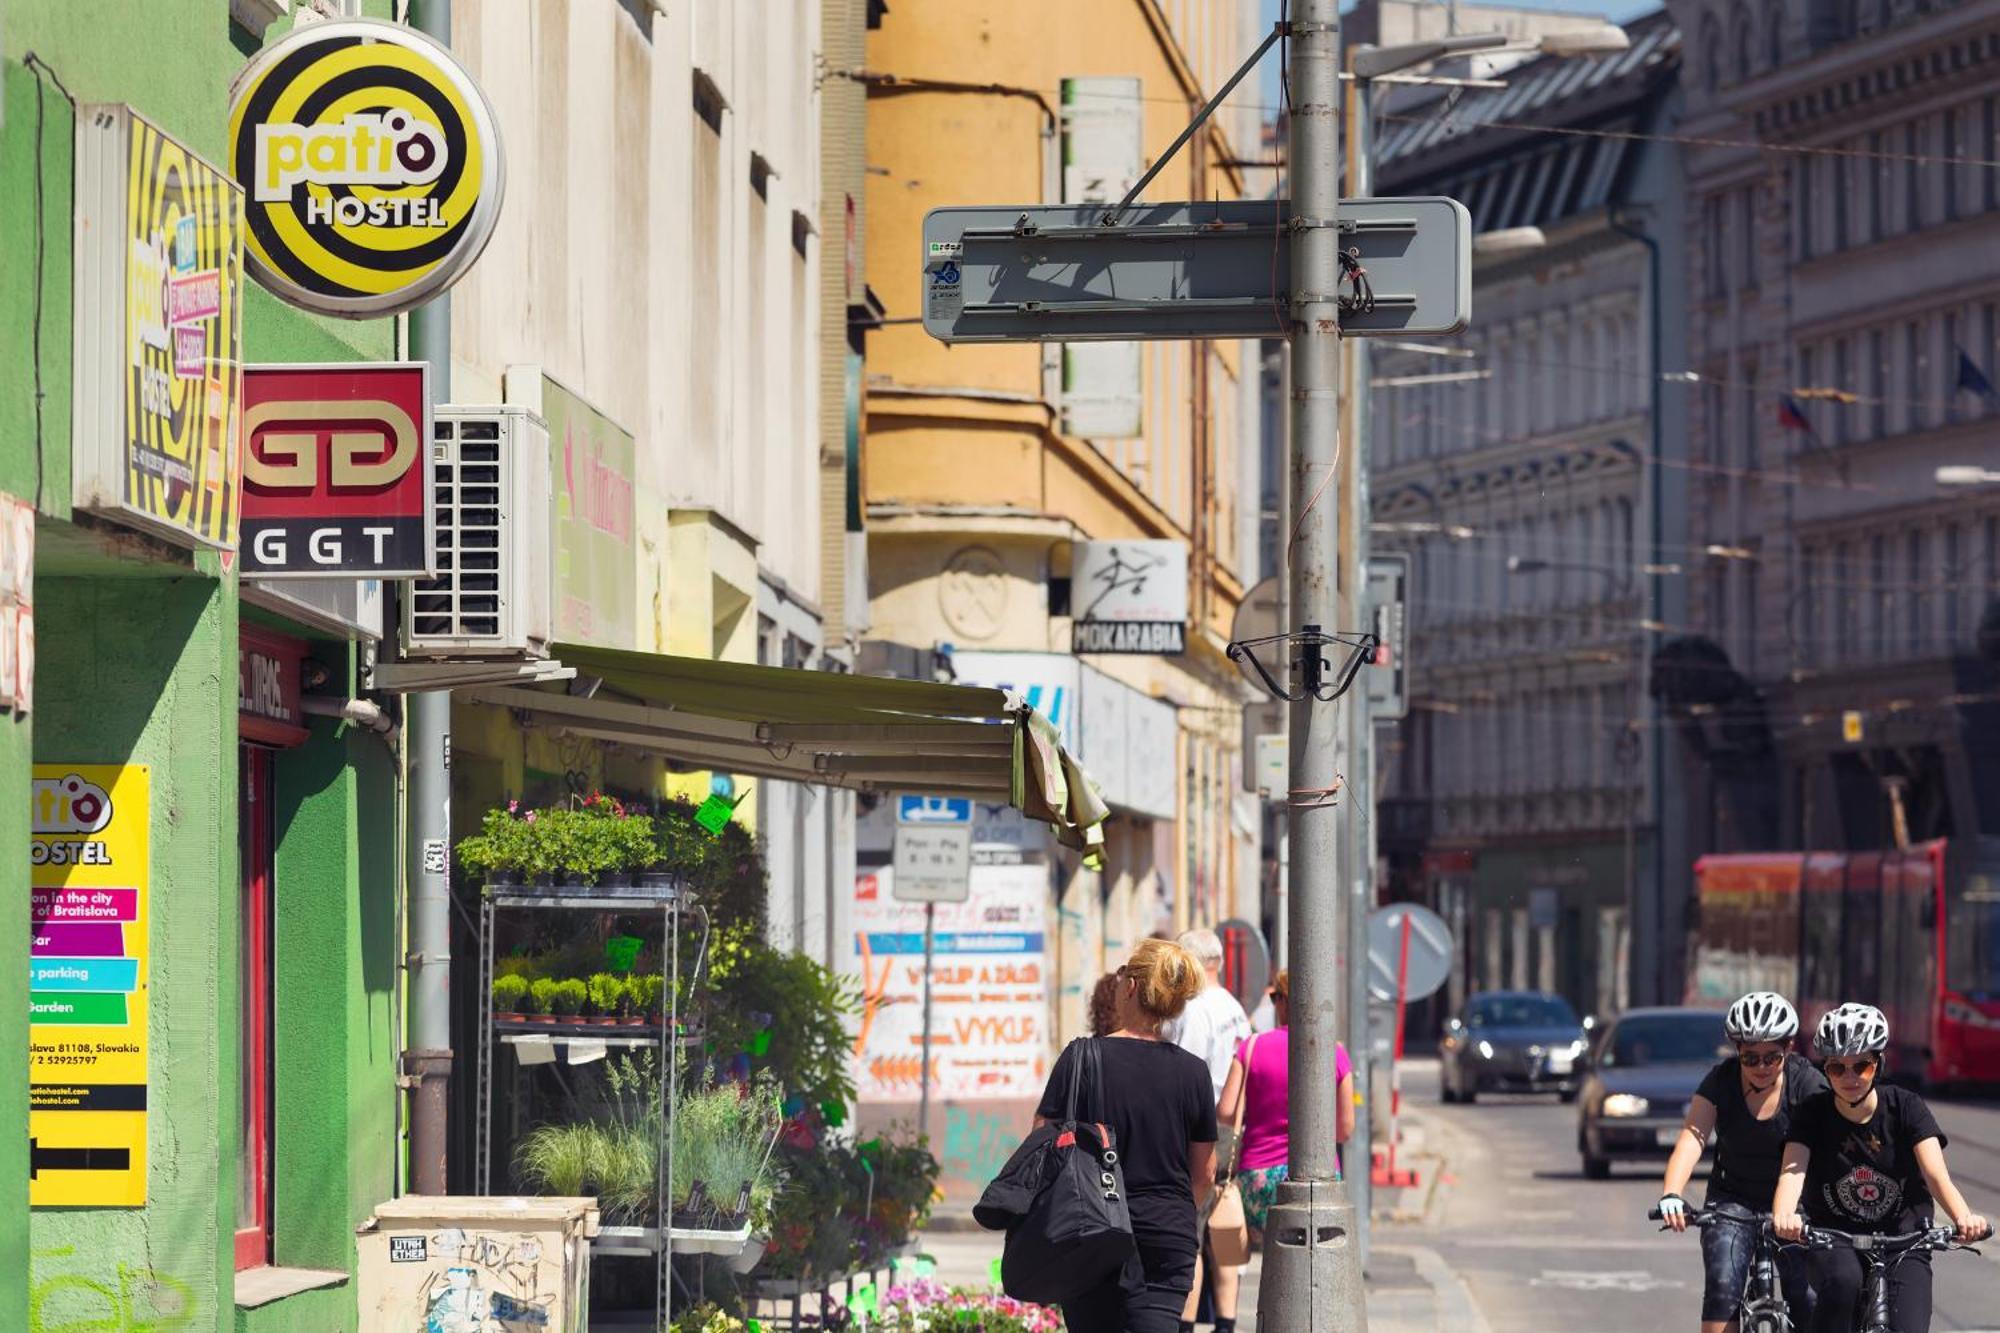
x: 1774, y: 38
x: 1743, y: 44
x: 1711, y: 53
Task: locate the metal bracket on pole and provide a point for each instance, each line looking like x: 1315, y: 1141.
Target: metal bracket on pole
x: 1117, y: 210
x: 1312, y: 666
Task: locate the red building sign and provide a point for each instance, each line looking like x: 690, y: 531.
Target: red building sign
x: 335, y: 476
x: 268, y: 666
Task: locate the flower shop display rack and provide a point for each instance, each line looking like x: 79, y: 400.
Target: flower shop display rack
x: 562, y: 1025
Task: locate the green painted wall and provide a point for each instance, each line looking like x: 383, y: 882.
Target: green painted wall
x: 130, y: 672
x: 137, y: 664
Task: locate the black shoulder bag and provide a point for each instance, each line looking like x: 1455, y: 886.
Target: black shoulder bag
x: 1061, y: 1199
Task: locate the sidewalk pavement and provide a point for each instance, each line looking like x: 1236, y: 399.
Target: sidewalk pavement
x: 1410, y: 1289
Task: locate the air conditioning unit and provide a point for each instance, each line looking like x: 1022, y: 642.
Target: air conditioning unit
x: 492, y: 595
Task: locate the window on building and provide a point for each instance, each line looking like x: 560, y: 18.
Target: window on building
x: 1913, y: 176
x: 1743, y: 44
x: 1711, y: 54
x: 1846, y: 644
x: 1717, y: 596
x: 1712, y: 231
x: 1989, y: 140
x: 1951, y: 582
x: 1811, y: 589
x: 1843, y: 418
x: 1953, y: 400
x: 1881, y: 603
x: 1746, y: 236
x: 1747, y: 571
x: 1753, y: 420
x: 1948, y: 145
x: 253, y: 978
x: 1919, y: 594
x: 706, y: 409
x: 1916, y: 377
x: 1774, y: 37
x: 1839, y: 202
x: 1802, y: 209
x: 1878, y: 384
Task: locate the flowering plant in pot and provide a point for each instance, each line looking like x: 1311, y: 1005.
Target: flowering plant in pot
x: 499, y: 853
x: 509, y: 993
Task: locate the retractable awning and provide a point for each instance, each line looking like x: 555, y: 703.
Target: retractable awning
x: 861, y: 732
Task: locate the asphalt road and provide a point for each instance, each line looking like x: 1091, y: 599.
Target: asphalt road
x: 1541, y: 1248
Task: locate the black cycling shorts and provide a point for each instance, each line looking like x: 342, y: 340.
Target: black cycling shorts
x: 1726, y: 1252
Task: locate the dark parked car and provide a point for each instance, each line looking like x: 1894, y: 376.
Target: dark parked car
x: 1511, y: 1041
x: 1641, y: 1073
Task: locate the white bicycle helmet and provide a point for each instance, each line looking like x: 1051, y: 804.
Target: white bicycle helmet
x: 1761, y: 1016
x: 1852, y: 1029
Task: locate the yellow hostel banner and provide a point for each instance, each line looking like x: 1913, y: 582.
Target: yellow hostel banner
x: 90, y: 874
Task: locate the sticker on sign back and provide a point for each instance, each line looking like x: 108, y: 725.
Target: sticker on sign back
x: 409, y: 1250
x: 944, y: 291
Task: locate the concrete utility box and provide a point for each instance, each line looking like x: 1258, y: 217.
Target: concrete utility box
x: 471, y: 1264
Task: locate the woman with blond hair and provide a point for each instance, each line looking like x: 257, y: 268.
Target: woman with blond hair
x: 1158, y: 1103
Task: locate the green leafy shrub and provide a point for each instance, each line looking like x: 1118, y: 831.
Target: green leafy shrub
x: 542, y: 996
x: 569, y: 995
x: 502, y: 844
x: 507, y: 992
x: 789, y: 1004
x: 608, y: 993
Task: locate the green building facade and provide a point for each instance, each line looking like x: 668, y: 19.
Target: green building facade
x: 139, y: 639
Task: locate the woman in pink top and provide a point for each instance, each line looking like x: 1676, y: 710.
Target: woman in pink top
x: 1259, y: 1089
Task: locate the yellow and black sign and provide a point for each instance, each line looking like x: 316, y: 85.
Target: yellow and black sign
x: 372, y: 165
x: 159, y: 332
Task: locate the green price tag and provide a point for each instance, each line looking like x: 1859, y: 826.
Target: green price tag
x: 760, y: 1043
x: 835, y: 1113
x: 993, y: 1273
x: 622, y: 951
x: 864, y: 1301
x: 714, y: 815
x: 753, y: 1326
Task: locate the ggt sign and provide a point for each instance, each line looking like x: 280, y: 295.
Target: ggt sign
x: 335, y: 475
x: 371, y: 165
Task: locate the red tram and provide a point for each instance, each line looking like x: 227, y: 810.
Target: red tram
x: 1915, y: 933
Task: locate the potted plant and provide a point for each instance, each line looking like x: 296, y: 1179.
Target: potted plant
x: 567, y: 999
x: 541, y: 852
x: 498, y: 853
x: 508, y: 993
x: 607, y: 995
x: 646, y: 992
x: 541, y: 997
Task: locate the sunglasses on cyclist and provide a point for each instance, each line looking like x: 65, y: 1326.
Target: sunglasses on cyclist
x: 1840, y: 1068
x: 1768, y: 1060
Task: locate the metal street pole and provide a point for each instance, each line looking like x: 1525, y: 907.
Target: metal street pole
x: 427, y: 1056
x: 1360, y: 802
x: 924, y: 1077
x: 1312, y: 1270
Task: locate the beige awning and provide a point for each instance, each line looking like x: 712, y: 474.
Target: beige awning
x: 862, y: 732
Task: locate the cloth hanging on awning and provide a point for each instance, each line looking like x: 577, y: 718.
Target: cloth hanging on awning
x: 866, y: 733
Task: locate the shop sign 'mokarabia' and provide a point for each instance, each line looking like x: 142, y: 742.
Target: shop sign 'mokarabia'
x: 372, y: 167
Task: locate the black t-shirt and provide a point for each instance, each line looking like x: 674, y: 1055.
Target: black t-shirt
x: 1865, y: 1177
x: 1156, y: 1100
x: 1748, y: 1150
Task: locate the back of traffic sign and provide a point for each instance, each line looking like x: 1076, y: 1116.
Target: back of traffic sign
x: 1059, y: 273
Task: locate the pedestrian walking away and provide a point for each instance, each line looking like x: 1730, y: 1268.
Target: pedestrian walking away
x: 1259, y: 1090
x: 1211, y: 1028
x: 1747, y: 1102
x: 1867, y: 1159
x: 1159, y: 1106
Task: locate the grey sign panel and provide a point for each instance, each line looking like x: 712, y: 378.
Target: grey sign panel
x: 1056, y: 273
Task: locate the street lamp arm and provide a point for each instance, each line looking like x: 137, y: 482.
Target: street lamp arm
x: 1372, y: 62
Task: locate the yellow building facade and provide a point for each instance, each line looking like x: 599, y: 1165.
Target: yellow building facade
x: 983, y: 465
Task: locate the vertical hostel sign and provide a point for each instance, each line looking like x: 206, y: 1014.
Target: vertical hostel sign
x: 594, y: 466
x: 372, y: 163
x: 89, y: 873
x: 159, y: 331
x: 334, y: 477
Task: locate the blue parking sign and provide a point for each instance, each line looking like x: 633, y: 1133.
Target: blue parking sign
x: 933, y: 810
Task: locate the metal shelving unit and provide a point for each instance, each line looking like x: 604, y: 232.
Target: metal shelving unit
x: 670, y: 903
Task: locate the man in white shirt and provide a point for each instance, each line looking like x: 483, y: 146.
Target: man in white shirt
x: 1213, y: 1025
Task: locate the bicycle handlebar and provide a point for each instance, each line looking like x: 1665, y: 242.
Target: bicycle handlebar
x: 1701, y: 1217
x: 1930, y: 1238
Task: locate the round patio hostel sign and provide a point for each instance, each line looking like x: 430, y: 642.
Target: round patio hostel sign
x: 371, y: 167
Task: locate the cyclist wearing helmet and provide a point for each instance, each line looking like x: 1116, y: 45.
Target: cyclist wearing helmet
x: 1748, y: 1102
x: 1862, y: 1157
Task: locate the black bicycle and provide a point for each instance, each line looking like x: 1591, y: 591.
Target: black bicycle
x: 1879, y: 1257
x: 1760, y: 1306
